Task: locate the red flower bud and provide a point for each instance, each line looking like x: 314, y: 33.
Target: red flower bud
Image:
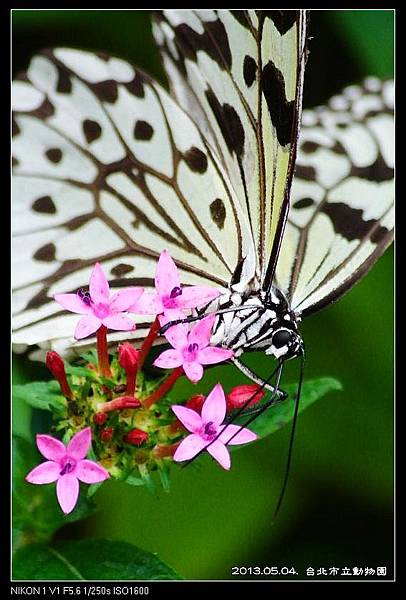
x: 240, y: 394
x: 56, y: 365
x: 106, y: 434
x: 128, y: 359
x: 99, y: 418
x: 136, y: 437
x: 196, y: 402
x: 127, y: 356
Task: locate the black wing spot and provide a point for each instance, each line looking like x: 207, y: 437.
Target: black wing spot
x: 64, y: 83
x: 15, y: 128
x: 196, y: 160
x: 91, y: 130
x: 46, y: 253
x: 229, y: 123
x: 44, y: 205
x: 303, y: 203
x: 143, y: 131
x: 106, y: 91
x: 281, y: 111
x: 54, y: 155
x: 282, y: 19
x: 249, y: 70
x: 121, y: 269
x: 218, y: 212
x: 309, y: 147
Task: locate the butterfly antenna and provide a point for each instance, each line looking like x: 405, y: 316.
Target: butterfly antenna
x: 291, y: 440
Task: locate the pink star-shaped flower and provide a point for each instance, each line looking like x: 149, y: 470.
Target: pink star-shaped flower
x: 170, y: 297
x: 97, y: 306
x: 191, y: 349
x: 67, y: 466
x: 205, y: 427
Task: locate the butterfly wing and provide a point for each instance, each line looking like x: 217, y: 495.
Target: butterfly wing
x: 109, y: 168
x: 341, y: 216
x: 240, y: 75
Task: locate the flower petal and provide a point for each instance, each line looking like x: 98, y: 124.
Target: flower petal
x: 67, y: 491
x: 239, y: 435
x: 196, y: 295
x: 79, y: 445
x: 169, y: 359
x: 99, y: 286
x: 119, y: 322
x: 50, y: 447
x: 46, y: 472
x: 214, y: 409
x: 148, y: 304
x: 74, y: 303
x: 86, y: 326
x: 220, y: 453
x: 188, y: 417
x: 177, y: 335
x: 189, y: 447
x: 166, y: 275
x: 124, y: 299
x: 201, y: 332
x: 212, y: 354
x: 90, y: 472
x: 193, y: 371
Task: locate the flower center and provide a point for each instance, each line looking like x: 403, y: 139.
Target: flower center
x: 101, y: 310
x: 176, y: 291
x: 84, y: 295
x: 209, y: 430
x: 68, y: 465
x: 190, y: 351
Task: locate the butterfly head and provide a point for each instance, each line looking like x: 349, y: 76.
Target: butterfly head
x: 285, y: 344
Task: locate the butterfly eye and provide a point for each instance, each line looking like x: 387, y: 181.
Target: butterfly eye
x: 281, y: 338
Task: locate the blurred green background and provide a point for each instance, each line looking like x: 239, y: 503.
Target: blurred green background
x: 338, y: 507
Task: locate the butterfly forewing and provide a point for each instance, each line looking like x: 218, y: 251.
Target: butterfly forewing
x: 341, y: 216
x: 109, y: 168
x: 240, y: 75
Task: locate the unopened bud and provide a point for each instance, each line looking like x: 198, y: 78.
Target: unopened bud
x: 240, y: 396
x: 128, y: 359
x: 136, y: 437
x: 99, y: 418
x: 106, y: 434
x: 57, y: 367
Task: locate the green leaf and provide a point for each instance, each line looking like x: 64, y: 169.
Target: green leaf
x: 89, y: 560
x: 279, y: 415
x: 36, y: 512
x: 45, y: 395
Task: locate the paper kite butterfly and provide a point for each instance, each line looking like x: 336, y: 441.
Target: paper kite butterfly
x: 283, y: 211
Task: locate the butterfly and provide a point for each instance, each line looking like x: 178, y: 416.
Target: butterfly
x: 282, y: 210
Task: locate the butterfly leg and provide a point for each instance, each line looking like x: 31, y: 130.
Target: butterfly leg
x: 257, y: 379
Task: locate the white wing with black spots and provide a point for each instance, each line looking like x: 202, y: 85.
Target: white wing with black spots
x: 341, y: 215
x: 240, y: 75
x: 109, y: 168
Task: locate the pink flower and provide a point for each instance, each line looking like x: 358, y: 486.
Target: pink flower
x: 206, y: 427
x: 191, y: 349
x: 67, y: 466
x: 169, y: 296
x: 97, y: 306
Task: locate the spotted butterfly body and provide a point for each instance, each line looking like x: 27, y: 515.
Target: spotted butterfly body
x: 109, y: 167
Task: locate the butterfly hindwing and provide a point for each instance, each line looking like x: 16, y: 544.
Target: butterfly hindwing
x: 240, y: 75
x: 341, y: 216
x: 109, y: 168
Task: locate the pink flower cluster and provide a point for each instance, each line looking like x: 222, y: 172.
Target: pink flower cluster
x: 190, y: 350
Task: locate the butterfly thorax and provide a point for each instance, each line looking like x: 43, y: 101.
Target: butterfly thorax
x: 259, y: 321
